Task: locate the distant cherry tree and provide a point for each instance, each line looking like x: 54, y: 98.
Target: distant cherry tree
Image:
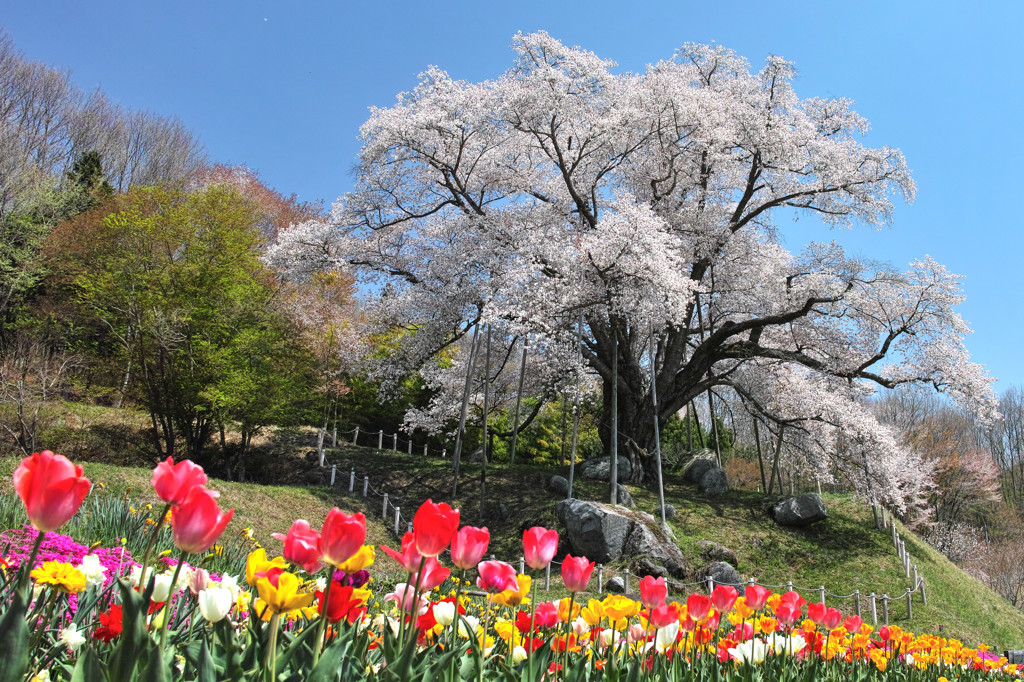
x: 650, y: 204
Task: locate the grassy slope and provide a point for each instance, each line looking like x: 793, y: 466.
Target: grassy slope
x: 843, y: 553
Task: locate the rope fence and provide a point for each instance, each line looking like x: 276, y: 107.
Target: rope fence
x: 879, y: 607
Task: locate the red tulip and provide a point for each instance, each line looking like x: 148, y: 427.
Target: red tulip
x: 663, y: 614
x: 198, y: 522
x: 173, y: 482
x: 723, y: 597
x: 469, y: 546
x: 539, y: 546
x: 832, y: 619
x: 51, y: 488
x: 816, y: 612
x: 546, y: 615
x: 496, y: 576
x: 302, y: 546
x: 409, y: 558
x: 342, y: 536
x: 698, y: 606
x: 434, y: 525
x: 576, y: 572
x: 757, y: 596
x: 340, y: 604
x: 652, y: 592
x: 787, y: 614
x: 852, y: 624
x: 883, y: 633
x: 793, y: 599
x: 432, y: 576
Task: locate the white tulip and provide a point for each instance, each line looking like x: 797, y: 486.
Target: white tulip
x: 215, y: 603
x: 162, y: 587
x: 519, y: 655
x: 444, y: 613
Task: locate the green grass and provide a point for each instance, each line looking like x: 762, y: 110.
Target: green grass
x: 843, y: 553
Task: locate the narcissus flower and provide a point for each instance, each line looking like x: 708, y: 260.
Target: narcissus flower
x: 173, y: 482
x: 539, y: 546
x: 51, y: 488
x: 197, y: 523
x: 433, y: 526
x: 302, y: 546
x: 342, y: 536
x: 469, y: 545
x: 280, y: 592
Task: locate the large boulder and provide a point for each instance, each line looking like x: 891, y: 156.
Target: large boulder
x: 559, y: 485
x: 604, y: 533
x: 600, y: 469
x: 712, y: 551
x: 700, y: 462
x: 801, y: 510
x: 595, y: 531
x: 722, y: 573
x: 714, y: 482
x: 642, y: 541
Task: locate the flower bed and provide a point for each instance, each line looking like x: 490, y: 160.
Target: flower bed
x: 75, y: 612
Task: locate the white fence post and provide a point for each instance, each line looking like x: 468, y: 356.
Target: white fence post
x: 522, y: 565
x: 425, y: 449
x: 874, y: 608
x: 384, y: 513
x: 366, y: 485
x: 394, y: 443
x: 398, y: 517
x: 409, y: 447
x: 355, y: 437
x: 380, y: 439
x: 600, y: 578
x: 821, y: 593
x: 352, y: 481
x: 334, y: 470
x: 547, y: 578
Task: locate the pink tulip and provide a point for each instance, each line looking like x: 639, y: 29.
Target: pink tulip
x: 198, y: 581
x: 539, y: 546
x: 496, y: 576
x: 469, y: 546
x: 832, y: 619
x: 698, y: 606
x: 576, y: 572
x: 405, y: 596
x: 723, y: 597
x: 757, y: 596
x: 546, y: 615
x: 787, y: 614
x: 664, y: 615
x: 342, y: 536
x: 51, y: 488
x: 302, y: 546
x: 409, y: 558
x: 197, y: 523
x: 852, y: 624
x: 173, y: 482
x: 652, y: 592
x: 432, y: 576
x: 793, y: 599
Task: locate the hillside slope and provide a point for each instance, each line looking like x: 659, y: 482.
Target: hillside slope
x: 843, y: 553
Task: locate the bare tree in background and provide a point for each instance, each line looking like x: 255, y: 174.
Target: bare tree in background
x: 30, y: 374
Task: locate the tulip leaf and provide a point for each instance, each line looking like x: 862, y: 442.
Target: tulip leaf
x: 297, y: 644
x: 158, y: 667
x: 206, y: 670
x: 88, y: 668
x: 330, y: 668
x: 14, y: 637
x: 134, y: 640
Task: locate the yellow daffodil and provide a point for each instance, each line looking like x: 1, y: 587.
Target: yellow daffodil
x: 285, y: 595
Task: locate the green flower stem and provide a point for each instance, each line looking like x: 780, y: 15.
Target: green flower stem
x: 322, y: 635
x: 149, y: 545
x: 533, y: 618
x: 483, y: 645
x: 270, y: 656
x: 166, y: 610
x: 568, y: 629
x: 414, y: 605
x: 23, y: 583
x: 455, y: 622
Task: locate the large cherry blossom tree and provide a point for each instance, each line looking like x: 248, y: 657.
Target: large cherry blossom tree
x: 648, y: 204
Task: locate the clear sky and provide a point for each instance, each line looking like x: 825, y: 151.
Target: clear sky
x: 283, y: 87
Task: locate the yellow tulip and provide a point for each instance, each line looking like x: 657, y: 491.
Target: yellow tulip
x: 285, y: 596
x: 514, y: 597
x: 360, y: 560
x: 257, y: 562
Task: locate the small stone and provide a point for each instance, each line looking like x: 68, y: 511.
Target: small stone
x: 625, y: 499
x: 616, y: 585
x: 559, y: 485
x: 670, y: 511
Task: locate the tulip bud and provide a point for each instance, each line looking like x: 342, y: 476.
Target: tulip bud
x: 519, y: 655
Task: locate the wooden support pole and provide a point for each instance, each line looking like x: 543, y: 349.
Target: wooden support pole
x: 910, y: 607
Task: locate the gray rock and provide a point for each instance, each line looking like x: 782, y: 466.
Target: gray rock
x: 594, y: 530
x: 722, y: 573
x: 714, y: 482
x: 712, y: 551
x: 670, y: 511
x: 643, y: 542
x: 697, y: 469
x: 497, y: 511
x: 616, y: 585
x: 600, y: 469
x: 559, y: 485
x: 625, y: 499
x: 644, y: 566
x: 801, y: 510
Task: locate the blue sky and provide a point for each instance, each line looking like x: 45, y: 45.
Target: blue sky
x: 283, y: 87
